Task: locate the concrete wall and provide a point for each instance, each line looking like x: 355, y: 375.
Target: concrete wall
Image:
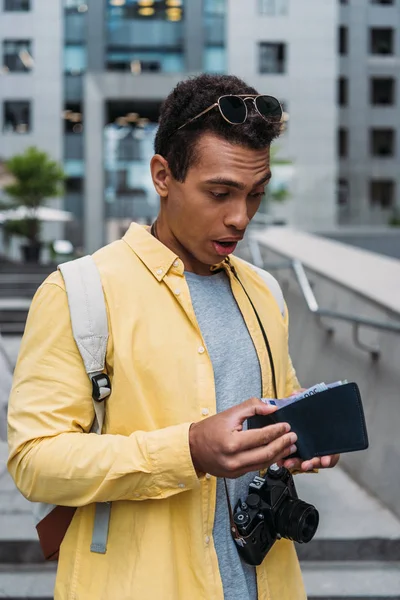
x: 376, y: 239
x: 309, y: 89
x: 320, y: 357
x: 359, y: 116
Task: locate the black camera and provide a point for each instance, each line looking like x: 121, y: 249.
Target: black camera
x: 272, y: 510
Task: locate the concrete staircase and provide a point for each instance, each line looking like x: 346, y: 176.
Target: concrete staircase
x: 355, y: 555
x: 356, y: 551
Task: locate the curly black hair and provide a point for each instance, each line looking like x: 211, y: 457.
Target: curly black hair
x: 191, y: 97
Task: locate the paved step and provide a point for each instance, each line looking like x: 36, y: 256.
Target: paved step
x: 29, y: 583
x: 353, y: 524
x: 361, y: 581
x: 332, y: 581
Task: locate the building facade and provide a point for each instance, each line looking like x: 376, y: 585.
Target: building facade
x: 31, y: 96
x: 369, y: 116
x: 286, y: 48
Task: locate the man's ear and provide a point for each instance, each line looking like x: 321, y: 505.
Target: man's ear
x: 160, y: 174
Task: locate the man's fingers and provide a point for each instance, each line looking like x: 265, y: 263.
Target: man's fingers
x: 253, y: 438
x: 250, y: 408
x: 263, y: 456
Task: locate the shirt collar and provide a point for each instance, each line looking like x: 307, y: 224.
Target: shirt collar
x: 158, y: 258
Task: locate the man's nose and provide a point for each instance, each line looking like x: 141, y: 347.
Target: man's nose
x: 238, y: 217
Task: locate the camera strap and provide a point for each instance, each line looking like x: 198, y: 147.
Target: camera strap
x: 237, y: 537
x: 240, y: 541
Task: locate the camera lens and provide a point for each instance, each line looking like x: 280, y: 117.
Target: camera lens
x: 296, y: 520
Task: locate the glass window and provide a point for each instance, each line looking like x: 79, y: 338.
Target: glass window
x: 382, y: 91
x: 273, y: 8
x: 75, y: 28
x: 381, y: 40
x: 382, y: 193
x: 343, y: 142
x: 214, y: 59
x: 75, y: 6
x: 17, y: 55
x: 272, y: 57
x: 343, y: 40
x: 145, y: 62
x: 145, y: 35
x: 17, y: 5
x: 343, y: 91
x: 382, y: 142
x: 75, y: 59
x: 17, y: 116
x: 342, y: 191
x: 382, y: 1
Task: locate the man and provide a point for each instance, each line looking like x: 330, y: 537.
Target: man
x: 188, y: 362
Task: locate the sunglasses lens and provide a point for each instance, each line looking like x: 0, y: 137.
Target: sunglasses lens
x: 269, y: 108
x: 233, y: 109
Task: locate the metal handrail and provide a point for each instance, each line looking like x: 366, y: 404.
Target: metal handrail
x: 313, y: 306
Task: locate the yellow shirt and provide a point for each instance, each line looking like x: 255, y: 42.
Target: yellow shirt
x: 160, y: 544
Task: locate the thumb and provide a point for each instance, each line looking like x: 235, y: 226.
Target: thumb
x: 250, y: 408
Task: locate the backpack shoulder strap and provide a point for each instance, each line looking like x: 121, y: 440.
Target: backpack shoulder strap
x: 89, y: 326
x: 271, y: 283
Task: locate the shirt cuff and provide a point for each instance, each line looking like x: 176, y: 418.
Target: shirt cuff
x: 171, y: 460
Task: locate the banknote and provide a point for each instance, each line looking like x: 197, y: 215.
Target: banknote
x: 315, y: 389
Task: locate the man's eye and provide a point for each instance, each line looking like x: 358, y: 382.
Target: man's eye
x: 219, y: 194
x: 257, y: 195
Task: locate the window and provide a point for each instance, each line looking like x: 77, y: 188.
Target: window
x: 17, y: 56
x: 343, y: 142
x: 344, y: 1
x: 382, y: 142
x: 273, y: 8
x: 17, y: 5
x: 17, y: 116
x: 74, y: 185
x: 343, y: 40
x: 75, y: 58
x: 381, y: 40
x: 382, y: 1
x: 343, y: 91
x: 272, y: 57
x: 381, y: 193
x: 342, y: 192
x: 382, y: 90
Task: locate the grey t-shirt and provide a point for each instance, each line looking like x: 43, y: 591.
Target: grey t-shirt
x: 237, y: 377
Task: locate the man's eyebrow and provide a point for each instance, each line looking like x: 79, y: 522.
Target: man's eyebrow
x: 237, y: 184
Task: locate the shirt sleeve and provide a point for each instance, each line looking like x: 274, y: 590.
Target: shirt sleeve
x: 52, y: 456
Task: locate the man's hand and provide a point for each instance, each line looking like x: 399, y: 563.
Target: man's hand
x: 221, y: 447
x: 323, y: 462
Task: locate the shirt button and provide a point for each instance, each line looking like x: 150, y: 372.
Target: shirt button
x: 177, y: 292
x: 205, y: 412
x: 176, y: 263
x: 207, y: 539
x: 159, y: 271
x: 181, y: 485
x: 208, y: 476
x: 201, y: 350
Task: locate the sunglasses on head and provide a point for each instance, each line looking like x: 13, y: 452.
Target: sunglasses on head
x: 233, y: 108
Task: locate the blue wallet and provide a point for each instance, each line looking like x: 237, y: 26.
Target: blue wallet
x: 329, y: 422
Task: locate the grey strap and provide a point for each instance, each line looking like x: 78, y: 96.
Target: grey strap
x: 100, y: 528
x: 272, y: 284
x: 88, y: 311
x: 90, y: 329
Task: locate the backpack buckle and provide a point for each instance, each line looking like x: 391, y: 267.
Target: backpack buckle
x: 101, y: 387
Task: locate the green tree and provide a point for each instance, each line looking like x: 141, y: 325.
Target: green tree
x: 35, y: 178
x: 275, y: 194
